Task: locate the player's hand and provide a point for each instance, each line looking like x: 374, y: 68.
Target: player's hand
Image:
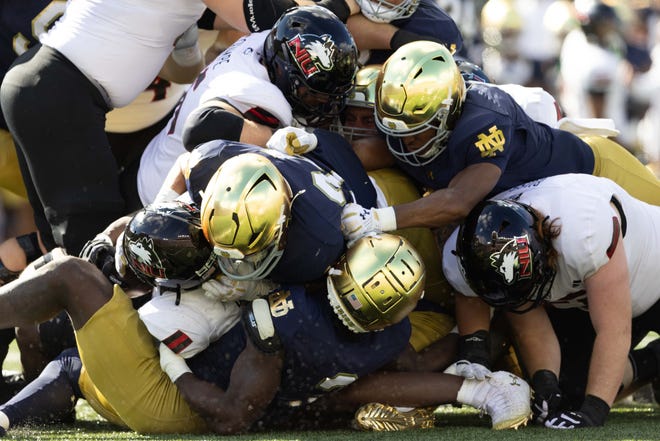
x: 96, y: 250
x: 357, y: 221
x: 569, y: 420
x: 226, y: 289
x: 547, y: 395
x: 472, y: 371
x: 172, y: 364
x: 292, y: 141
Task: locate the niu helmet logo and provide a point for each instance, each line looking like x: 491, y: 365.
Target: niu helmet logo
x: 312, y: 53
x: 513, y: 261
x: 145, y: 258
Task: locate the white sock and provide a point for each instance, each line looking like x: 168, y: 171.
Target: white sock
x: 472, y: 392
x: 4, y: 421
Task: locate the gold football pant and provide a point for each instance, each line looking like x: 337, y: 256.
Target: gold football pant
x: 121, y: 377
x: 613, y: 161
x: 10, y: 173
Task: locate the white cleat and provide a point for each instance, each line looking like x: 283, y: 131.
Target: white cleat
x: 503, y: 396
x: 508, y: 402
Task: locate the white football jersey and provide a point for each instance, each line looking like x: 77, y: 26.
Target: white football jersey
x: 121, y: 44
x: 190, y: 326
x: 237, y: 77
x: 582, y: 204
x: 535, y: 101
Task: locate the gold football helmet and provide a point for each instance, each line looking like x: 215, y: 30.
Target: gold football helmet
x: 420, y: 88
x: 376, y: 283
x: 245, y: 212
x: 353, y: 122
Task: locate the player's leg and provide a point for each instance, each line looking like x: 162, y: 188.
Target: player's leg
x: 60, y: 283
x: 68, y: 156
x: 613, y: 161
x: 50, y: 398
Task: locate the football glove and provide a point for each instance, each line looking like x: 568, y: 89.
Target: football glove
x: 226, y: 289
x: 172, y: 364
x: 101, y: 253
x: 547, y: 395
x: 292, y: 141
x: 592, y: 413
x: 472, y: 371
x: 357, y: 221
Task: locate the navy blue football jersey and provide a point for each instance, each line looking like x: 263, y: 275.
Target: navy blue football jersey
x: 429, y: 20
x: 322, y: 182
x: 320, y: 353
x: 493, y: 128
x: 21, y: 23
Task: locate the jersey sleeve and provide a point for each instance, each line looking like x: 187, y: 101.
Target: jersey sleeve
x: 189, y: 327
x: 587, y: 235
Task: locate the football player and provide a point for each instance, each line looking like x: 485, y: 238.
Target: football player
x: 99, y: 56
x: 575, y: 253
x: 106, y: 322
x: 467, y: 145
x: 300, y: 70
x: 270, y: 214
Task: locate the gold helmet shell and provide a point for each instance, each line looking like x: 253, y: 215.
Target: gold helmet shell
x: 376, y: 283
x: 245, y: 211
x: 420, y: 88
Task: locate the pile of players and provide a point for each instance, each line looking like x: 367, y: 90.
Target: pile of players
x: 287, y: 269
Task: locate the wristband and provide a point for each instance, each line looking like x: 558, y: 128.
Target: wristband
x: 475, y: 348
x: 188, y: 56
x: 172, y: 364
x: 545, y: 382
x: 595, y: 409
x: 386, y: 218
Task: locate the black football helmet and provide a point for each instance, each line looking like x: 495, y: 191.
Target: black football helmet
x: 312, y: 58
x: 503, y: 258
x: 164, y: 246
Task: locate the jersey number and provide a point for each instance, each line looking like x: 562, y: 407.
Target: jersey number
x: 330, y: 184
x: 40, y: 24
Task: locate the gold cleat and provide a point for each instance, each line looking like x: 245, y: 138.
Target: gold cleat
x: 383, y: 418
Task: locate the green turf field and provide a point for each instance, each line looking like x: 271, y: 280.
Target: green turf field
x: 626, y: 422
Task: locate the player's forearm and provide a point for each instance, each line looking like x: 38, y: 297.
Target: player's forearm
x: 442, y: 207
x: 536, y: 340
x: 211, y: 403
x: 608, y: 362
x: 472, y: 314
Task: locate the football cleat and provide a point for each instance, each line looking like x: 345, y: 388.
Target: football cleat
x: 506, y: 398
x: 379, y: 417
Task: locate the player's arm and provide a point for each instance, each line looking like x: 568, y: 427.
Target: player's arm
x: 453, y: 203
x: 254, y: 380
x: 608, y: 294
x: 440, y: 208
x: 175, y: 181
x: 259, y: 15
x: 369, y: 34
x: 217, y: 119
x: 536, y: 340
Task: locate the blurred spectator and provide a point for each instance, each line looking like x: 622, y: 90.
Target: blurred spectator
x: 594, y: 74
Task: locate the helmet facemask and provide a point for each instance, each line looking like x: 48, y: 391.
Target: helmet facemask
x: 383, y: 11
